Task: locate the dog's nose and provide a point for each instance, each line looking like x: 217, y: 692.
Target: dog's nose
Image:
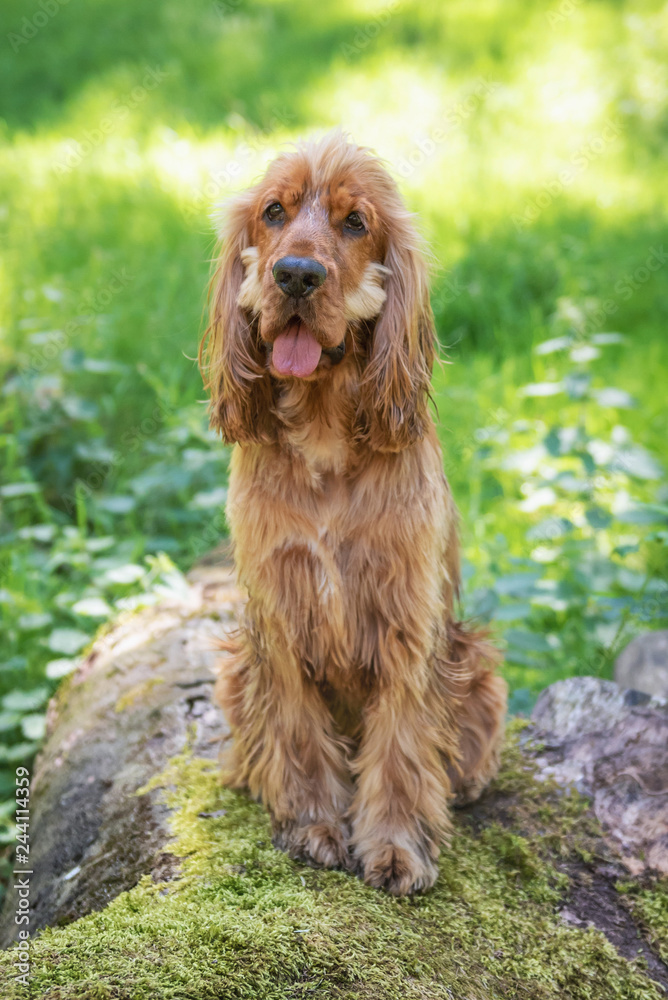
x: 298, y: 276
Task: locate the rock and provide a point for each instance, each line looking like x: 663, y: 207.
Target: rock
x: 613, y: 746
x: 150, y: 880
x: 643, y: 665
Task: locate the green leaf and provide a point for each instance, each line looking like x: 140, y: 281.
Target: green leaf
x: 34, y: 622
x: 17, y: 662
x: 116, y: 504
x: 517, y: 584
x: 555, y: 344
x: 571, y: 483
x: 637, y: 462
x: 25, y: 701
x: 8, y: 784
x: 598, y: 518
x: 617, y: 398
x: 512, y: 612
x: 11, y: 490
x: 79, y: 409
x: 543, y: 497
x: 529, y: 642
x: 482, y: 603
x: 608, y: 338
x: 95, y: 450
x: 584, y: 353
x: 542, y: 389
x: 606, y: 632
x: 577, y: 384
x: 552, y: 442
x: 521, y: 701
x: 524, y: 460
x: 630, y: 580
x: 19, y: 751
x: 92, y: 607
x: 101, y: 367
x: 33, y: 726
x: 8, y: 720
x: 588, y: 463
x: 100, y: 544
x: 67, y: 640
x: 549, y: 529
x: 626, y: 550
x: 129, y: 573
x: 521, y: 659
x: 55, y: 669
x: 38, y: 532
x: 642, y: 513
x: 212, y: 498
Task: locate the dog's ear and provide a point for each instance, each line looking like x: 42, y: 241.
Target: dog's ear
x: 231, y: 356
x: 395, y: 385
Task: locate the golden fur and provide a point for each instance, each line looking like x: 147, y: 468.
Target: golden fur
x: 360, y: 707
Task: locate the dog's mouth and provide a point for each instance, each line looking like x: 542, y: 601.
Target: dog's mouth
x: 296, y: 351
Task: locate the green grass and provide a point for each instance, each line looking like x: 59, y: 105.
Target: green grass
x: 123, y: 123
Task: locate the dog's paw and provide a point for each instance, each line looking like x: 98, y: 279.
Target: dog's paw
x: 400, y: 870
x: 467, y: 792
x: 322, y: 844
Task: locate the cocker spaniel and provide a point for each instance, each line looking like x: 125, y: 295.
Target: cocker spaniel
x: 360, y: 707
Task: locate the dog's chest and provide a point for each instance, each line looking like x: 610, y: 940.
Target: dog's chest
x: 323, y: 447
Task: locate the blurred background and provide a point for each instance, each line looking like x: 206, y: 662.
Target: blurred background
x: 531, y: 139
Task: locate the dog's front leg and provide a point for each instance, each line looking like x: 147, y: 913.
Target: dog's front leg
x: 284, y: 747
x: 400, y: 807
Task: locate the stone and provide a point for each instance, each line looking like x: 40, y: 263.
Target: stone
x: 612, y: 745
x: 643, y: 665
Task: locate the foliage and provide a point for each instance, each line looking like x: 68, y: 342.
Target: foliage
x: 594, y: 509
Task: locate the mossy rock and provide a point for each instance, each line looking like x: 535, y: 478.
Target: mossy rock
x: 239, y: 919
x: 533, y: 901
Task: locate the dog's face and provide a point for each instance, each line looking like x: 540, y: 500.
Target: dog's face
x: 314, y: 267
x: 320, y: 266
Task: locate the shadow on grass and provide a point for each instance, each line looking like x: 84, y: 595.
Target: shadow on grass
x: 265, y: 59
x: 502, y: 294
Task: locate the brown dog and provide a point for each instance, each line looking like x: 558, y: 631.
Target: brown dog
x: 359, y: 705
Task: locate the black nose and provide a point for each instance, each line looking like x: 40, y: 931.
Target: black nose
x: 298, y: 276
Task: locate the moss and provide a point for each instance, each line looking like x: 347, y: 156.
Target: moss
x: 243, y: 921
x: 136, y: 692
x: 650, y: 908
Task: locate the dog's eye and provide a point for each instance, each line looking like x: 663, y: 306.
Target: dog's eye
x: 353, y: 223
x: 275, y: 212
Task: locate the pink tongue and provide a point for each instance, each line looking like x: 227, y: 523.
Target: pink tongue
x: 296, y: 351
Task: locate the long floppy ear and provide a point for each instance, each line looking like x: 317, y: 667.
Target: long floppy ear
x: 231, y: 357
x: 395, y: 385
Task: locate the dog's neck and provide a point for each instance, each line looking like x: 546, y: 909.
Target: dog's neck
x: 317, y: 421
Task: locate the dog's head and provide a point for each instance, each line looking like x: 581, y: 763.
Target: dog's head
x: 320, y: 266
